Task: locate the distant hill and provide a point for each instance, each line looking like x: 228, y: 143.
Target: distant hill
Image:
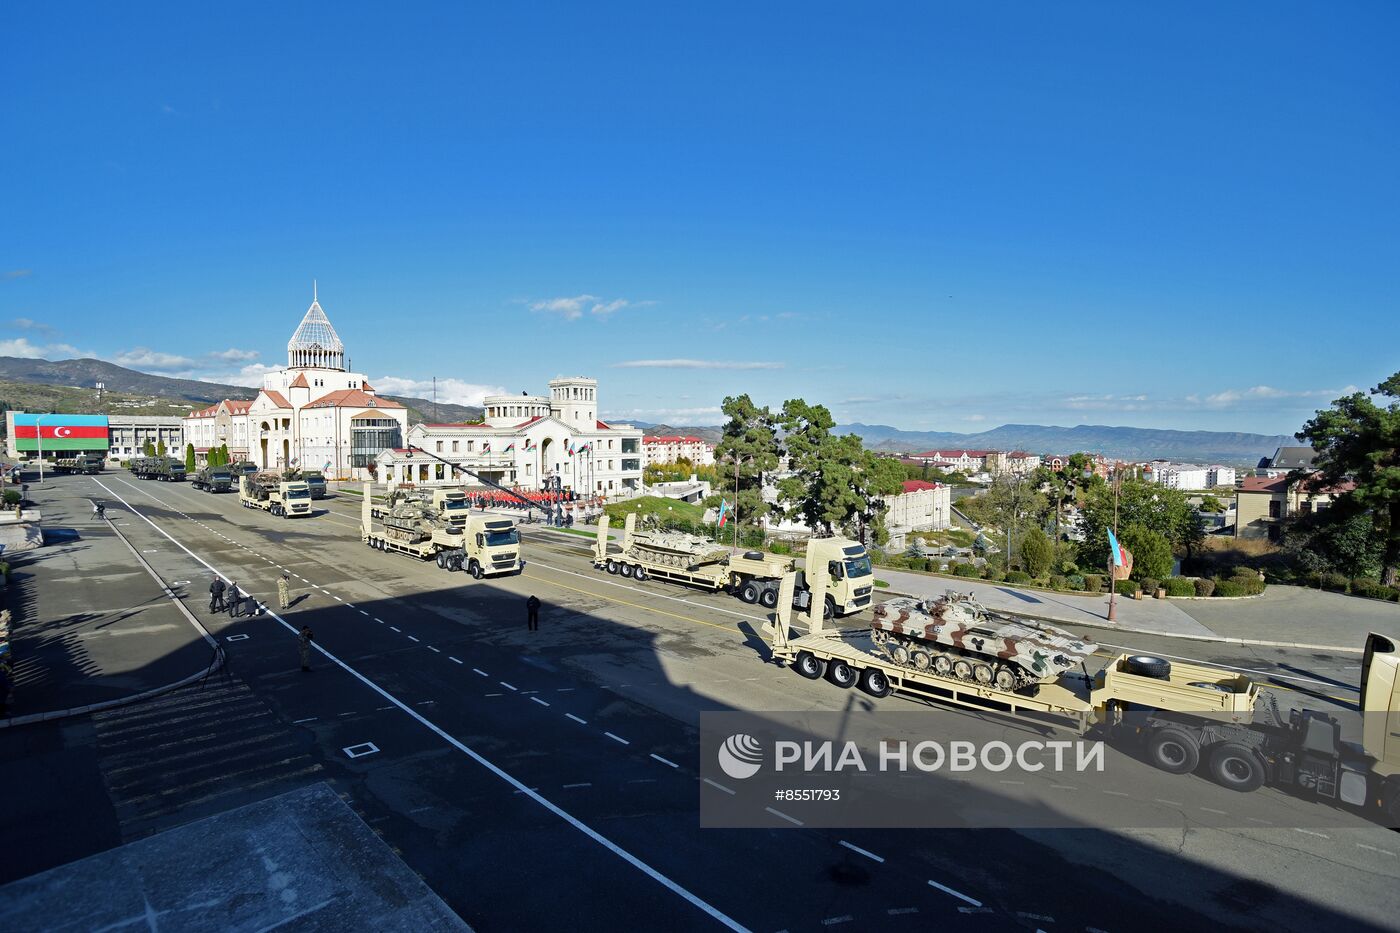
x: 157, y: 391
x: 1118, y: 442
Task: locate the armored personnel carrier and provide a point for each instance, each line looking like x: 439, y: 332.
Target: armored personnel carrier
x: 674, y: 548
x: 956, y: 636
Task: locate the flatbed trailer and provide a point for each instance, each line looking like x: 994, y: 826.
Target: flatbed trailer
x: 1187, y: 717
x: 463, y: 543
x: 270, y: 494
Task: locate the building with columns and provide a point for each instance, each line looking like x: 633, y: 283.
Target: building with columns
x: 527, y: 441
x: 314, y: 415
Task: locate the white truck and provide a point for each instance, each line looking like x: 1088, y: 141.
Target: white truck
x: 437, y: 525
x: 271, y: 493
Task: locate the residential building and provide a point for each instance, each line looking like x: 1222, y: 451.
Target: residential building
x: 668, y: 448
x: 1014, y: 463
x: 964, y: 461
x: 314, y: 414
x: 527, y: 441
x: 1176, y: 475
x: 922, y: 506
x: 1217, y: 476
x: 1285, y: 460
x: 1263, y: 502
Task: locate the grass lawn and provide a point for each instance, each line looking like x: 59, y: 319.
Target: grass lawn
x: 655, y: 505
x: 957, y: 538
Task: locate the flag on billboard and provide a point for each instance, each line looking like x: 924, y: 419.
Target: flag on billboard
x: 723, y: 512
x: 1122, y: 557
x: 60, y: 432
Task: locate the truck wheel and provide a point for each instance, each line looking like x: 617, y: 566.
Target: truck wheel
x: 829, y: 608
x: 612, y: 567
x: 748, y: 593
x: 1234, y: 766
x: 808, y: 665
x: 840, y: 673
x: 768, y: 598
x: 639, y: 573
x: 1173, y: 751
x: 1145, y: 665
x: 476, y: 571
x: 441, y: 561
x: 874, y: 682
x: 625, y: 570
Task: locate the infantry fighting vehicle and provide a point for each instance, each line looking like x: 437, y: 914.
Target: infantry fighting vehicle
x: 956, y: 636
x: 271, y: 493
x: 213, y: 479
x: 752, y: 576
x: 166, y: 469
x: 82, y: 463
x: 437, y: 524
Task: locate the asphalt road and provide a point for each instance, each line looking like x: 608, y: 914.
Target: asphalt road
x: 545, y: 779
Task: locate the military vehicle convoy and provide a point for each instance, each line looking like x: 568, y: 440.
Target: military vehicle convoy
x: 165, y: 469
x: 314, y: 479
x: 753, y: 576
x: 1181, y: 714
x: 438, y: 525
x: 955, y: 636
x: 271, y: 493
x: 213, y: 479
x: 88, y: 464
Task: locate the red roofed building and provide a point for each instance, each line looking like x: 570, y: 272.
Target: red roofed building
x: 668, y: 448
x: 314, y: 415
x: 1263, y: 502
x: 922, y: 506
x: 964, y: 461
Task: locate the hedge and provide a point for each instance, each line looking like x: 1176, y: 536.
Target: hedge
x: 1230, y: 588
x: 1205, y: 586
x: 1335, y: 582
x: 1180, y: 586
x: 1149, y: 585
x: 1018, y: 576
x: 1126, y: 587
x: 1093, y: 583
x: 1076, y: 581
x: 966, y: 570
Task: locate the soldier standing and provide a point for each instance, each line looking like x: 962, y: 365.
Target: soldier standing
x: 532, y: 613
x: 304, y: 639
x: 234, y: 598
x: 284, y: 593
x: 216, y: 595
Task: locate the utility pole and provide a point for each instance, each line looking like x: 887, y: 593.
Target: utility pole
x: 436, y: 416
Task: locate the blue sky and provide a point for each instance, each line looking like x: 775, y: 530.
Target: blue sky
x: 936, y: 216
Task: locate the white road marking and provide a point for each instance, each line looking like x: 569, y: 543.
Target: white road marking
x: 791, y: 819
x: 1362, y: 845
x: 493, y: 694
x: 481, y: 672
x: 395, y: 628
x: 1309, y: 832
x: 1117, y: 793
x: 431, y: 648
x: 617, y: 738
x: 901, y: 911
x: 582, y: 722
x: 1170, y: 803
x: 833, y: 921
x: 379, y: 620
x: 383, y: 708
x: 1213, y: 810
x: 665, y: 761
x: 539, y: 701
x: 297, y: 722
x: 865, y: 852
x: 361, y: 750
x: 565, y: 690
x: 958, y: 894
x: 584, y: 784
x: 412, y: 638
x: 508, y: 686
x: 363, y: 613
x: 717, y: 785
x: 453, y: 660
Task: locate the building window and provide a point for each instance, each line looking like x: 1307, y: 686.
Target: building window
x: 439, y: 446
x: 454, y: 446
x: 1275, y: 508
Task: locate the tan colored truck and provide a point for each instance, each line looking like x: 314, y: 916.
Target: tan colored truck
x: 271, y: 493
x: 752, y: 576
x: 437, y: 525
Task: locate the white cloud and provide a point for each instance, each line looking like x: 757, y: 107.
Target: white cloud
x: 695, y: 364
x: 234, y: 355
x: 451, y: 391
x: 54, y: 351
x: 974, y: 417
x: 24, y: 323
x: 571, y: 309
x: 1261, y: 392
x: 146, y: 358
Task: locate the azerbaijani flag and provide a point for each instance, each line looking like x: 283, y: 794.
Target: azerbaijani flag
x: 723, y: 512
x: 569, y: 447
x: 509, y: 447
x: 61, y: 432
x: 486, y: 447
x: 1122, y: 557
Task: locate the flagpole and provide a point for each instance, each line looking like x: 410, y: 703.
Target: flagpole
x: 736, y: 501
x: 1112, y: 558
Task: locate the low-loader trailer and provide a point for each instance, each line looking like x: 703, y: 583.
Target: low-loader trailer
x: 1184, y: 715
x: 439, y: 526
x: 752, y: 577
x: 271, y: 493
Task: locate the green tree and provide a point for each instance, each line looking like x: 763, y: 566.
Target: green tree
x: 1341, y: 539
x: 149, y: 449
x: 223, y: 455
x: 160, y: 449
x: 1212, y: 504
x: 750, y: 443
x: 1157, y: 508
x: 189, y: 458
x: 1152, y: 552
x: 1037, y: 552
x: 1359, y: 440
x: 1013, y: 502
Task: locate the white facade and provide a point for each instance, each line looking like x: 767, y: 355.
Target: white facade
x: 923, y: 506
x: 1220, y: 476
x: 1015, y: 463
x: 526, y: 441
x: 127, y: 435
x: 963, y: 461
x: 1178, y: 475
x: 669, y: 448
x: 313, y: 415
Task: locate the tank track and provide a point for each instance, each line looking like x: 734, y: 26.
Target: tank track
x: 947, y: 661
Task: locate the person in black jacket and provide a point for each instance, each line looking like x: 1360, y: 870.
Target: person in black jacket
x: 216, y: 595
x: 532, y: 613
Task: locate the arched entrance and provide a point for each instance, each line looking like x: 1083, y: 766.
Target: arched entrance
x: 263, y: 429
x: 543, y: 469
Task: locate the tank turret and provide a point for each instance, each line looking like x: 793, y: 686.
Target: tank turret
x: 956, y: 636
x: 674, y: 548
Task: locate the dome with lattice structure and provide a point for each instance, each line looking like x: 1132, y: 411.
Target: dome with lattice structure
x: 315, y: 344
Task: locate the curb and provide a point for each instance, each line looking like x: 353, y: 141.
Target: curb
x: 1217, y: 639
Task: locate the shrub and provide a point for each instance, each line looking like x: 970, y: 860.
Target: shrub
x: 992, y: 575
x: 1335, y: 582
x: 1018, y: 576
x: 1058, y: 582
x: 1037, y: 552
x: 1369, y: 588
x: 780, y: 547
x: 1205, y: 586
x: 966, y: 570
x: 1093, y: 583
x: 1126, y: 587
x: 1076, y: 581
x: 1180, y: 586
x: 1149, y: 586
x: 1152, y: 552
x: 12, y: 497
x: 1229, y: 588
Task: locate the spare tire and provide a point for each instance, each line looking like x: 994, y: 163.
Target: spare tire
x: 1145, y: 665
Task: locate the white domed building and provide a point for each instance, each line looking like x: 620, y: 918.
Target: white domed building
x: 313, y: 415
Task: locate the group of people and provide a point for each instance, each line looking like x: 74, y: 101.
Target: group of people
x: 501, y: 500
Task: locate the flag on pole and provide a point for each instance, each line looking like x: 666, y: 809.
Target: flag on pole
x: 723, y: 512
x: 1122, y: 557
x: 569, y: 447
x: 510, y: 447
x: 486, y: 447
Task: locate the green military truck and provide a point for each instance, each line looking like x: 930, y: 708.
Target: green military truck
x: 314, y: 479
x: 213, y: 479
x: 88, y: 464
x: 165, y: 469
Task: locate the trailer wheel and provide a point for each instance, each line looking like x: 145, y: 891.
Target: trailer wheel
x: 1234, y: 766
x: 748, y: 593
x: 920, y: 659
x: 625, y: 570
x: 840, y: 673
x: 1145, y: 665
x: 639, y: 573
x: 612, y: 566
x: 874, y: 682
x: 1173, y: 751
x: 768, y: 597
x: 808, y: 665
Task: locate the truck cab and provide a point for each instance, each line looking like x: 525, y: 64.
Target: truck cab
x: 316, y: 482
x: 850, y: 577
x: 296, y: 498
x: 452, y: 507
x: 492, y: 546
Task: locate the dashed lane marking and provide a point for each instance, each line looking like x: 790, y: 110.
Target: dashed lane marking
x: 583, y: 784
x: 865, y: 852
x: 412, y: 638
x: 508, y: 686
x: 718, y: 786
x: 431, y: 648
x: 539, y: 701
x: 453, y: 660
x: 583, y: 722
x: 958, y: 894
x: 617, y: 738
x: 791, y: 819
x: 1309, y: 832
x: 665, y: 761
x: 481, y: 672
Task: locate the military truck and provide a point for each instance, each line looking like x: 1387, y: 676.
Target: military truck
x: 271, y: 493
x: 88, y: 464
x: 213, y: 479
x: 752, y: 577
x: 165, y: 469
x: 315, y: 479
x: 1182, y: 714
x: 437, y: 525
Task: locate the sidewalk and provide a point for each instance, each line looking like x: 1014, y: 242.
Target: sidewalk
x: 90, y: 625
